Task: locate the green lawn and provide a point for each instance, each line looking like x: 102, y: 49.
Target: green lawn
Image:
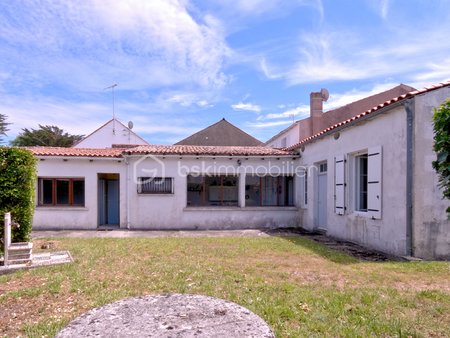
x: 299, y: 287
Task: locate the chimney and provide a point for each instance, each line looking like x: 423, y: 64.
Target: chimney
x: 316, y: 110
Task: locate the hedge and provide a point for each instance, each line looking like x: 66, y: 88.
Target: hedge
x: 441, y: 124
x: 17, y: 190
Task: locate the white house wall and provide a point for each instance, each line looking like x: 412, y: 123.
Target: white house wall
x: 160, y: 211
x: 431, y: 226
x: 77, y: 217
x: 170, y: 211
x: 389, y: 233
x: 292, y: 137
x: 113, y: 132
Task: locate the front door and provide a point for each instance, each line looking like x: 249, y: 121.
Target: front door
x: 108, y: 200
x: 322, y: 197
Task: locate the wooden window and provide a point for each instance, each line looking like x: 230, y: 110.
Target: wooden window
x: 155, y: 185
x: 212, y: 190
x: 61, y: 191
x: 269, y: 191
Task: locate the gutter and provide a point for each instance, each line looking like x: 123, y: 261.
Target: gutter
x: 410, y: 112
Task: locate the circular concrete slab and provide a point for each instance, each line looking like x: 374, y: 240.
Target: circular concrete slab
x: 175, y: 315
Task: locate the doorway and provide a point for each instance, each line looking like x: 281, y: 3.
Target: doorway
x: 322, y: 196
x: 108, y: 200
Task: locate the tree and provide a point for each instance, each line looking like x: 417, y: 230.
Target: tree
x: 441, y: 122
x: 3, y: 126
x: 48, y: 136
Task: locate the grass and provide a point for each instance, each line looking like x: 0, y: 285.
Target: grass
x: 299, y: 287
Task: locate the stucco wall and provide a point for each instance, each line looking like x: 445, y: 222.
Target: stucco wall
x: 162, y: 211
x: 113, y: 132
x: 171, y: 211
x: 431, y: 230
x: 77, y: 217
x: 292, y: 137
x: 389, y: 233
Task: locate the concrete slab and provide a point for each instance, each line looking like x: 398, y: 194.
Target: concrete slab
x: 146, y: 233
x: 174, y: 315
x: 39, y: 259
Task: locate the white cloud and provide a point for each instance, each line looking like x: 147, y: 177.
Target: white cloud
x: 297, y: 112
x: 268, y: 124
x: 337, y: 100
x: 137, y: 43
x: 246, y: 106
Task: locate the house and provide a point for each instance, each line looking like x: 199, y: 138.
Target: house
x: 165, y: 187
x: 111, y: 134
x: 366, y: 179
x: 369, y: 178
x: 319, y: 120
x: 221, y: 133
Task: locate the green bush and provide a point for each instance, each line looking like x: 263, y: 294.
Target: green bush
x: 441, y: 121
x: 17, y: 190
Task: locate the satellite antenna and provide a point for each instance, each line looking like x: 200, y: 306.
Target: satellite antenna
x: 113, y: 106
x: 325, y: 94
x: 130, y: 125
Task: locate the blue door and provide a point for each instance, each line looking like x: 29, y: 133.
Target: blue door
x: 108, y: 200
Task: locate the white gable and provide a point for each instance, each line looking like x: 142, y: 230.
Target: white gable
x: 112, y: 132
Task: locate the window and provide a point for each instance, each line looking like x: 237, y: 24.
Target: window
x: 361, y: 166
x: 214, y: 190
x: 323, y: 167
x: 61, y: 191
x: 283, y: 142
x: 155, y: 185
x: 269, y: 191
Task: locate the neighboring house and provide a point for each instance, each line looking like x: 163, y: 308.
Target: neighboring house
x: 165, y: 187
x: 221, y: 133
x: 319, y: 120
x: 112, y: 134
x: 370, y: 179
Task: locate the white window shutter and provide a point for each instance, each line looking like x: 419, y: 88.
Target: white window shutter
x: 374, y: 177
x: 339, y: 184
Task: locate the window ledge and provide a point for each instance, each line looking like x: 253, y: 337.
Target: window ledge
x: 47, y: 208
x: 225, y: 208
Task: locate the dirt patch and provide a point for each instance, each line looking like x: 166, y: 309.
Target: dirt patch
x: 357, y: 251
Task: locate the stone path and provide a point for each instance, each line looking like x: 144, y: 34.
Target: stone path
x: 165, y: 316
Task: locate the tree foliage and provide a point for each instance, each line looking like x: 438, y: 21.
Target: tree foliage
x: 17, y: 189
x: 441, y: 121
x: 47, y: 136
x: 3, y: 126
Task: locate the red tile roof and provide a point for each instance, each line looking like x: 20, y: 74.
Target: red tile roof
x: 371, y: 111
x: 76, y: 152
x: 208, y: 150
x: 161, y: 150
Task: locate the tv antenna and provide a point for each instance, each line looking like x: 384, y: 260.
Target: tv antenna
x: 113, y: 106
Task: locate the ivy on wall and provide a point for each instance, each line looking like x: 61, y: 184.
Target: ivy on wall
x: 441, y: 122
x: 17, y: 190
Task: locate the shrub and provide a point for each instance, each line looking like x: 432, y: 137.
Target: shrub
x: 441, y: 121
x: 17, y: 190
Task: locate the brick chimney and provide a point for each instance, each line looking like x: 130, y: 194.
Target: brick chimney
x: 316, y: 110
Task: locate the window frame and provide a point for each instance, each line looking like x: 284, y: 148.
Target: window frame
x: 357, y: 181
x: 203, y: 188
x: 279, y: 188
x: 164, y: 192
x: 54, y: 189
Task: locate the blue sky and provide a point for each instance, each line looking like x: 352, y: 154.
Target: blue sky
x: 181, y: 65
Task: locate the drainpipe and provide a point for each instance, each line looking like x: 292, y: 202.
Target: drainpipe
x: 127, y: 193
x: 410, y: 111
